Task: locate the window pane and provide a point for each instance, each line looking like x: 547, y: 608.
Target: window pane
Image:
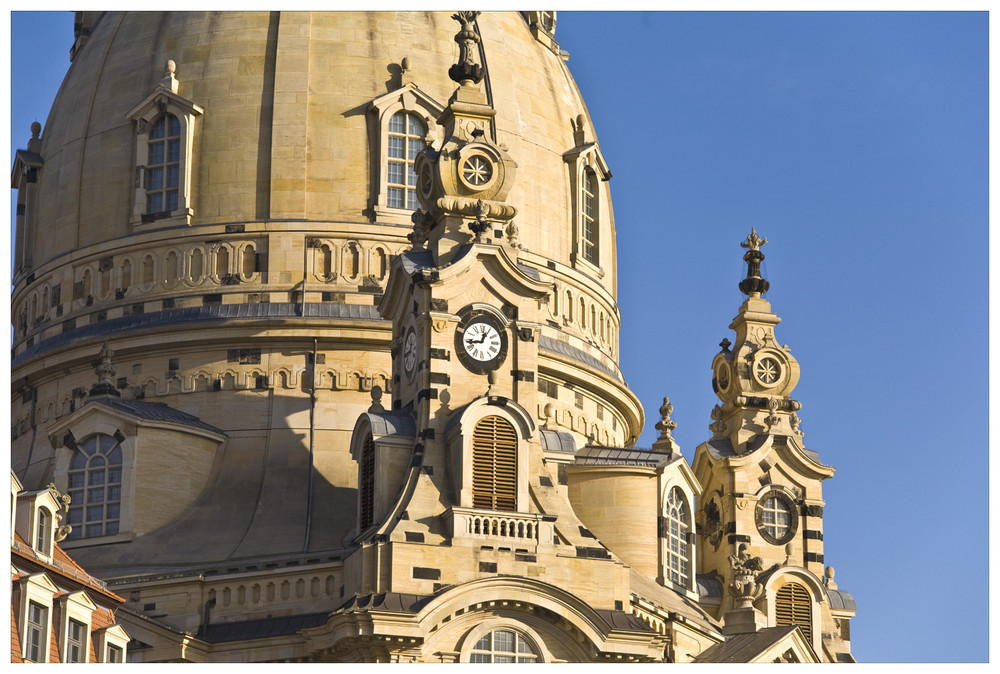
x: 522, y: 646
x: 115, y: 456
x: 114, y: 475
x: 75, y: 516
x: 175, y: 125
x: 411, y: 177
x: 94, y: 530
x: 173, y: 176
x: 483, y: 644
x: 504, y: 658
x: 173, y: 150
x: 395, y: 197
x: 75, y: 479
x: 503, y: 641
x: 95, y: 495
x: 156, y: 131
x: 411, y: 200
x: 396, y: 123
x: 156, y: 153
x: 171, y: 201
x: 95, y: 513
x: 115, y: 493
x: 396, y: 148
x: 416, y: 127
x: 413, y: 148
x: 96, y: 477
x: 154, y: 204
x: 111, y: 529
x: 155, y: 179
x: 479, y: 657
x: 113, y: 511
x: 394, y: 173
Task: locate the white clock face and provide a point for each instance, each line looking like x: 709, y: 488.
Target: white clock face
x: 410, y: 352
x: 481, y: 341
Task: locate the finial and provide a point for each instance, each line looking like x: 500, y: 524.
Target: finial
x: 666, y: 424
x: 789, y: 554
x: 376, y: 405
x: 169, y: 81
x: 105, y: 374
x: 36, y: 129
x: 466, y: 71
x: 744, y: 586
x: 753, y: 285
x: 725, y: 344
x: 828, y: 572
x: 404, y: 65
x: 480, y: 225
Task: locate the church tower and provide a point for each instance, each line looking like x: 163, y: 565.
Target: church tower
x: 760, y: 520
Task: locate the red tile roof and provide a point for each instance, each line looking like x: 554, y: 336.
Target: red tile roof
x: 15, y: 638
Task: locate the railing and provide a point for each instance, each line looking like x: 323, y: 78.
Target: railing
x: 521, y: 528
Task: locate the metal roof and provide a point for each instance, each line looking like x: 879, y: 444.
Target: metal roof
x: 709, y: 585
x: 209, y: 312
x: 557, y: 441
x: 841, y: 600
x: 153, y: 412
x: 745, y: 647
x: 392, y: 423
x: 392, y: 602
x: 263, y: 628
x: 554, y: 345
x: 595, y: 455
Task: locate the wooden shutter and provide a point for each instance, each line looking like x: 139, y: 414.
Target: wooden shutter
x: 494, y: 464
x: 366, y: 484
x: 793, y: 606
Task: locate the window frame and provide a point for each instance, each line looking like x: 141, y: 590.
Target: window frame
x: 36, y: 589
x: 677, y: 499
x: 161, y: 102
x: 409, y: 99
x: 79, y: 608
x: 584, y: 161
x: 41, y: 629
x: 488, y: 625
x: 76, y: 642
x: 83, y: 504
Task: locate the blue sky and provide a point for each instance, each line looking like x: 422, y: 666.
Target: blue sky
x: 857, y: 143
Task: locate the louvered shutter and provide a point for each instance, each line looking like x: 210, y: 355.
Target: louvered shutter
x: 494, y: 464
x: 366, y: 484
x: 793, y: 606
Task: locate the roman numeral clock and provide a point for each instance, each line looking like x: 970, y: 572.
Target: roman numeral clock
x: 480, y: 341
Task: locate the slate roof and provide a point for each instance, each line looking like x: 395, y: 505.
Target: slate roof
x: 745, y: 647
x: 669, y: 601
x: 620, y: 620
x: 392, y: 602
x: 546, y: 343
x: 709, y: 585
x: 556, y: 441
x: 596, y: 455
x: 206, y: 313
x: 151, y: 411
x: 723, y: 448
x: 262, y: 628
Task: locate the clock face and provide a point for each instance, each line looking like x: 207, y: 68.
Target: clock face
x: 410, y: 351
x: 480, y: 341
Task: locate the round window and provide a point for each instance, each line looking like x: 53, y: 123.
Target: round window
x: 776, y: 517
x: 768, y: 370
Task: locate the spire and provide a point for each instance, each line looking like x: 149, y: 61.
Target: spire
x: 753, y: 285
x: 466, y: 71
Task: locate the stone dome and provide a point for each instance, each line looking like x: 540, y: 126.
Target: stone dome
x: 213, y: 195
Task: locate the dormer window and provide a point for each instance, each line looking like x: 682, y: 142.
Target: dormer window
x: 592, y: 218
x: 43, y: 539
x: 36, y: 642
x: 677, y: 535
x: 95, y: 487
x: 76, y: 642
x: 163, y: 164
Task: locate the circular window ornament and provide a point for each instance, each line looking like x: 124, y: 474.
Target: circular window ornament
x: 776, y: 517
x: 476, y: 171
x: 767, y: 370
x: 410, y: 351
x: 722, y: 376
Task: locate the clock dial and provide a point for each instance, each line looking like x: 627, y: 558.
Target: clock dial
x: 482, y: 341
x: 410, y: 351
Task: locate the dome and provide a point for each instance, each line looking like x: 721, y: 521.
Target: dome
x: 218, y: 197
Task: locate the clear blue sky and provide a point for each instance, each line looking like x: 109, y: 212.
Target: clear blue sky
x: 857, y: 143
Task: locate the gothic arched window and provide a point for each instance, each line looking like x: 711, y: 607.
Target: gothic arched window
x: 677, y: 534
x: 494, y: 464
x: 405, y: 141
x: 163, y: 164
x: 95, y: 487
x: 793, y: 606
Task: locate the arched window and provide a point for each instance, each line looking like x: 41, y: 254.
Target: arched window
x: 494, y: 464
x: 793, y: 606
x: 95, y: 487
x: 503, y: 646
x: 589, y: 217
x: 405, y: 141
x: 366, y: 484
x: 43, y: 541
x: 163, y: 169
x: 676, y: 535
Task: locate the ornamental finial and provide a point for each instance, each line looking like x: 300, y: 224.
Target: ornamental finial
x: 753, y: 285
x: 105, y: 374
x: 754, y: 242
x: 744, y: 586
x: 665, y: 425
x: 466, y: 71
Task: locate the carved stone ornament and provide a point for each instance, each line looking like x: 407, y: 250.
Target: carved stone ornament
x: 105, y: 374
x: 421, y: 227
x: 665, y: 425
x: 64, y: 500
x: 742, y: 503
x: 466, y: 70
x: 794, y: 420
x: 439, y: 324
x: 744, y: 585
x: 754, y: 241
x: 718, y: 428
x: 753, y: 285
x: 513, y: 239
